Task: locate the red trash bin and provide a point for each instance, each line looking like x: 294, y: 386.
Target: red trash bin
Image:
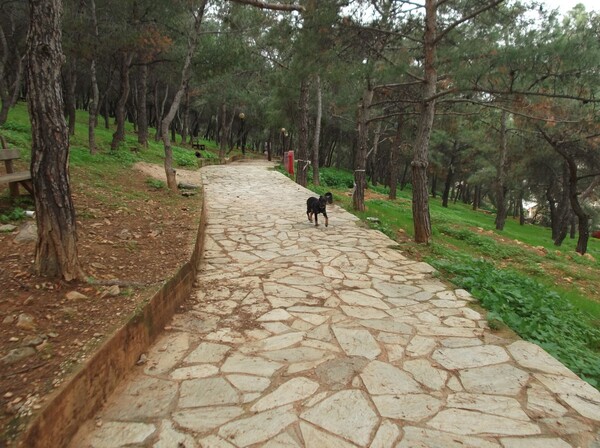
x: 290, y: 164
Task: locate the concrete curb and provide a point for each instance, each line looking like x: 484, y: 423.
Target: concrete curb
x: 87, y: 390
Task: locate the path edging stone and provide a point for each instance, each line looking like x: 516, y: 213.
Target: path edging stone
x: 87, y: 389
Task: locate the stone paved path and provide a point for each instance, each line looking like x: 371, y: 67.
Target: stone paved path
x: 304, y: 336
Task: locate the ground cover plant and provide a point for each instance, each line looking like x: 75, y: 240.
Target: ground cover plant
x: 548, y: 295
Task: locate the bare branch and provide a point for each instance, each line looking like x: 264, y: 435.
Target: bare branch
x: 270, y: 6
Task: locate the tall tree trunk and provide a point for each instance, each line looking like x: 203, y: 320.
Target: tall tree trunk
x: 477, y: 197
x: 142, y: 115
x: 317, y: 136
x: 9, y: 94
x: 185, y: 125
x: 71, y: 76
x: 119, y: 135
x: 394, y: 156
x: 583, y: 219
x: 501, y: 179
x: 56, y: 246
x: 222, y: 131
x: 198, y: 13
x: 420, y: 205
x: 563, y: 212
x: 449, y: 181
x: 95, y: 100
x: 360, y: 160
x: 372, y: 154
x: 301, y: 172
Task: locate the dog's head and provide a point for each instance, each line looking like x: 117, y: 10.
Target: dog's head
x: 322, y: 203
x: 328, y: 197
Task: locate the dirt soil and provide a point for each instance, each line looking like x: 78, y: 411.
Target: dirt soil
x: 130, y: 240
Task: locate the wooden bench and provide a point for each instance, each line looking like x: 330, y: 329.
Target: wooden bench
x: 12, y: 178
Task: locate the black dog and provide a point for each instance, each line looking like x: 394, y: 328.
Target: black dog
x: 314, y: 206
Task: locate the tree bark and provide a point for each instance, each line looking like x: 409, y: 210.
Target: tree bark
x: 420, y: 204
x: 56, y: 247
x: 301, y: 172
x: 394, y: 156
x: 449, y: 180
x: 119, y: 135
x: 501, y: 179
x: 142, y: 115
x: 222, y: 131
x: 70, y: 99
x: 360, y: 159
x: 193, y: 38
x: 317, y: 136
x: 95, y: 100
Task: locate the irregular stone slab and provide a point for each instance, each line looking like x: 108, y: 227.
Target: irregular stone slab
x: 442, y: 331
x: 142, y: 398
x: 361, y: 312
x: 191, y: 372
x: 460, y: 342
x: 360, y: 299
x: 282, y: 291
x: 276, y: 327
x: 534, y: 357
x: 381, y: 378
x: 273, y: 343
x: 168, y: 437
x: 293, y: 390
x: 420, y: 346
x: 426, y: 374
x: 206, y: 392
x: 389, y: 326
x: 277, y: 314
x: 429, y: 438
x: 465, y: 358
x: 207, y: 352
x: 313, y: 319
x: 489, y: 404
x: 118, y: 434
x: 166, y: 353
x: 238, y: 363
x: 295, y: 355
x: 283, y: 440
x: 541, y: 403
x: 578, y: 394
x: 202, y: 420
x: 309, y: 309
x: 460, y: 421
x: 338, y: 373
x: 315, y: 438
x: 357, y: 342
x: 461, y: 322
x: 347, y: 414
x: 531, y: 442
x: 503, y: 379
x: 331, y: 272
x: 386, y: 436
x: 249, y: 383
x: 258, y: 428
x: 395, y: 290
x: 411, y: 407
x: 214, y: 442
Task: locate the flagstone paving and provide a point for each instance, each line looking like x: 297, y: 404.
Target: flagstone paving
x: 304, y: 336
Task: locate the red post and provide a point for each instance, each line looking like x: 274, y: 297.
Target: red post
x: 291, y: 162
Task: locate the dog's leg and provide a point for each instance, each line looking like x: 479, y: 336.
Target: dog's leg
x: 316, y: 219
x: 309, y: 214
x: 326, y: 220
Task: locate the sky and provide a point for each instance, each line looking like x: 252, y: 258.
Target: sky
x: 567, y: 5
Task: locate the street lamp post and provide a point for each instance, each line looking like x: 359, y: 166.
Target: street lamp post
x: 243, y: 136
